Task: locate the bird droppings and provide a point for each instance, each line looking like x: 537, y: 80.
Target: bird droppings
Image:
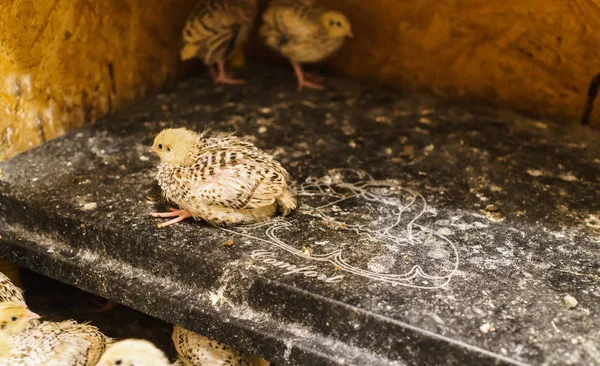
x: 89, y: 206
x: 266, y: 297
x: 228, y: 243
x: 593, y: 221
x: 535, y: 173
x: 262, y: 130
x: 569, y: 177
x: 570, y: 301
x: 486, y: 328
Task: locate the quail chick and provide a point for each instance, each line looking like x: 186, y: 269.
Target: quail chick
x: 221, y: 179
x: 214, y: 29
x: 133, y: 352
x: 303, y: 32
x: 55, y: 344
x: 15, y: 317
x: 197, y: 350
x: 11, y: 293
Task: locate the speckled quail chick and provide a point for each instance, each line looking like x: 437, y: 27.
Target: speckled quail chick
x: 133, y: 352
x: 214, y: 29
x: 54, y: 344
x: 12, y: 294
x: 221, y: 179
x: 197, y: 350
x: 15, y: 317
x: 303, y: 32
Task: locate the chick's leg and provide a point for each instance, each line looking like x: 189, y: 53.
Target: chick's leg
x: 107, y: 307
x: 302, y: 82
x: 313, y: 77
x: 179, y: 215
x: 222, y: 76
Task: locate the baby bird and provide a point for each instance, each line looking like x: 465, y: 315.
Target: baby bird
x: 15, y: 317
x: 55, y: 344
x: 214, y: 29
x: 221, y: 179
x: 133, y: 352
x: 197, y: 350
x: 11, y: 293
x: 303, y: 32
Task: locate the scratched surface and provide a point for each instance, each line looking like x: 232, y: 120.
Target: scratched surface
x: 428, y: 232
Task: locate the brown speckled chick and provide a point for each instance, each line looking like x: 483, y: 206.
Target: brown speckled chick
x: 9, y: 293
x: 303, y: 32
x: 221, y: 179
x: 214, y: 29
x: 197, y: 350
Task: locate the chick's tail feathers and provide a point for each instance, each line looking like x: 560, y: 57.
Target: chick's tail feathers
x: 287, y: 202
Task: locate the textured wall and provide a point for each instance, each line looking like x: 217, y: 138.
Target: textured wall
x: 63, y: 62
x: 536, y: 56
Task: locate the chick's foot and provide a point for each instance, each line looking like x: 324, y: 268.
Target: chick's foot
x: 179, y: 215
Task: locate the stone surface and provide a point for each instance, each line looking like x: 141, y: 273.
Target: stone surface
x: 449, y: 233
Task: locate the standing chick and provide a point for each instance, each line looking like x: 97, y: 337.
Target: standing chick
x: 133, y: 352
x: 214, y: 29
x: 220, y: 179
x: 197, y: 350
x: 303, y: 32
x: 55, y: 344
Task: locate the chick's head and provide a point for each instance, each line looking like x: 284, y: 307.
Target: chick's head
x: 14, y: 317
x: 173, y: 144
x: 337, y: 24
x: 133, y: 352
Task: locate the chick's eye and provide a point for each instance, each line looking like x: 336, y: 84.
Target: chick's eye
x: 118, y: 362
x: 14, y: 318
x: 339, y: 24
x: 160, y: 146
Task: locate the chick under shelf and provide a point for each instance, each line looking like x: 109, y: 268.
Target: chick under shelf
x: 428, y: 232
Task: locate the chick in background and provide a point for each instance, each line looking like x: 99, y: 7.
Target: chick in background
x: 216, y: 28
x: 303, y: 32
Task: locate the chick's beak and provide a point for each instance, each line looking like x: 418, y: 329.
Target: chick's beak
x: 152, y: 149
x: 350, y: 35
x: 30, y: 315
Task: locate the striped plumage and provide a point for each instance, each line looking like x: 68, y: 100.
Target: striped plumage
x: 303, y: 32
x: 221, y: 179
x: 10, y: 292
x: 214, y: 29
x: 56, y: 344
x: 196, y: 350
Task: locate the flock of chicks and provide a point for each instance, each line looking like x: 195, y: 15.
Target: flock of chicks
x: 300, y: 30
x: 27, y: 341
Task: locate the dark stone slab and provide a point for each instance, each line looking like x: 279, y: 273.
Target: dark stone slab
x: 443, y: 221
